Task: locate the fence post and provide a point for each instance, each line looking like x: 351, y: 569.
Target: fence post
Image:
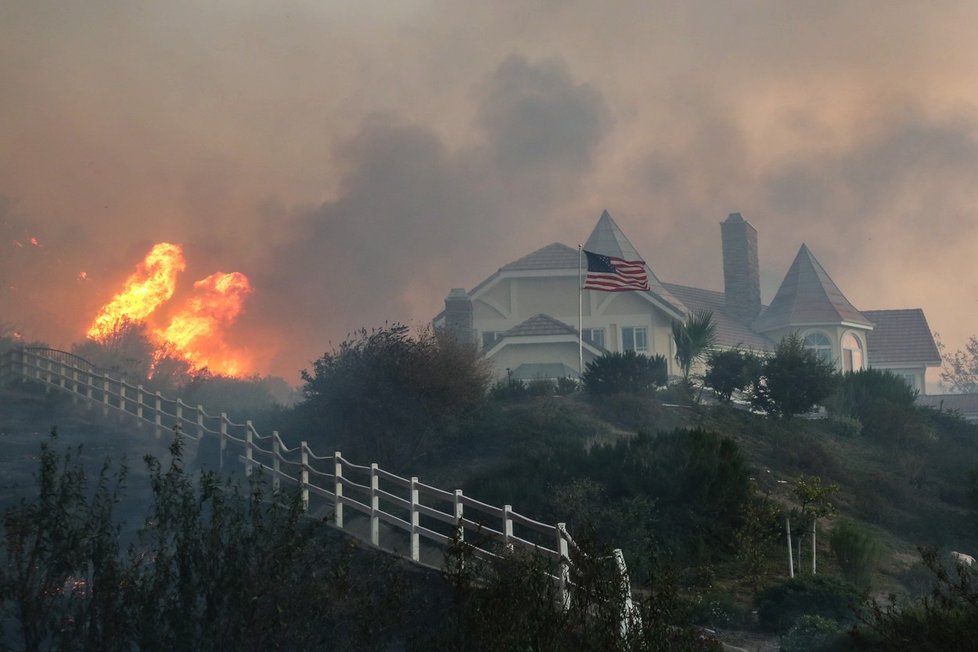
x: 105, y: 395
x: 47, y: 377
x: 625, y: 593
x: 200, y: 422
x: 224, y: 441
x: 74, y: 385
x: 179, y: 414
x: 159, y: 415
x: 564, y: 551
x: 374, y: 505
x: 304, y: 479
x: 122, y: 399
x: 249, y: 453
x: 415, y: 521
x: 88, y: 389
x: 139, y: 405
x: 508, y: 525
x: 275, y: 466
x: 459, y: 526
x: 338, y: 489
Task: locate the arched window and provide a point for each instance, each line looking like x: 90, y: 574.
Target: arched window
x: 852, y: 353
x: 820, y: 344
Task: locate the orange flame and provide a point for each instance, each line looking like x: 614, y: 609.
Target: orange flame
x: 152, y: 284
x: 195, y: 331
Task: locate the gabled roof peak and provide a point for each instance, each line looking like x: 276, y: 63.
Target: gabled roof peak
x: 607, y: 238
x: 808, y: 296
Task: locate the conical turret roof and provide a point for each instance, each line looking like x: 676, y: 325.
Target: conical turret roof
x: 808, y: 296
x: 607, y: 238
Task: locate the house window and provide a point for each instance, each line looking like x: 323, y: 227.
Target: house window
x: 852, y: 353
x: 821, y: 345
x: 594, y: 335
x: 489, y: 338
x: 635, y: 338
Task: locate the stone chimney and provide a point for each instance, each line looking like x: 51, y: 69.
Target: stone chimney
x: 458, y: 316
x: 741, y: 275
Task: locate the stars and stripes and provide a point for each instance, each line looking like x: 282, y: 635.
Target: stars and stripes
x: 611, y: 274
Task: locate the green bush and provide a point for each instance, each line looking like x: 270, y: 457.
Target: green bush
x: 856, y: 551
x: 567, y: 386
x: 731, y: 370
x: 540, y: 387
x: 627, y: 372
x: 795, y: 380
x: 845, y: 426
x: 858, y: 391
x: 779, y: 607
x: 814, y: 634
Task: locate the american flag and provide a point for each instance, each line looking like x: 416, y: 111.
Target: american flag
x: 611, y: 274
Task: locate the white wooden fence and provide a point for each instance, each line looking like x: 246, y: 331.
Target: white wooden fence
x: 386, y: 510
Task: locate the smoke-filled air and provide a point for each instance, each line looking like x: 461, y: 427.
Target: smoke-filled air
x: 254, y: 180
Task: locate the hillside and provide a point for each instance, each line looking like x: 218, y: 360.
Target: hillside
x: 566, y: 458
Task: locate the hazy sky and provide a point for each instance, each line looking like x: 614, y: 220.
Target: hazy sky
x: 356, y: 160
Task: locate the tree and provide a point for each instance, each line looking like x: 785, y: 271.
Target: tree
x: 730, y: 370
x: 794, y: 380
x: 629, y: 371
x: 387, y: 396
x: 693, y: 337
x: 815, y: 499
x: 960, y: 369
x: 126, y: 351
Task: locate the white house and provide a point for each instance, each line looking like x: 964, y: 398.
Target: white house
x: 525, y: 315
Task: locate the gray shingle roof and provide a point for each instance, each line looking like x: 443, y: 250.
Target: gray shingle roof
x: 808, y: 296
x: 730, y: 331
x: 900, y: 337
x: 553, y: 256
x: 540, y: 325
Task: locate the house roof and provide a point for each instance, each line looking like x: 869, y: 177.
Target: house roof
x: 729, y: 330
x: 607, y: 238
x: 808, y: 296
x: 900, y: 337
x: 553, y: 256
x: 540, y: 325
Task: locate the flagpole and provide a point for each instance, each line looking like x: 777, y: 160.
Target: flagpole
x: 580, y: 315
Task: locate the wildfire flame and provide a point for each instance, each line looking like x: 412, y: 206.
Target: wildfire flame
x: 195, y: 332
x: 152, y: 284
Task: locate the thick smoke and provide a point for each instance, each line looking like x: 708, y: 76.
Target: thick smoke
x: 357, y: 160
x: 414, y: 217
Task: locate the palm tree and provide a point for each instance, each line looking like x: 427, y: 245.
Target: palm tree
x: 693, y: 337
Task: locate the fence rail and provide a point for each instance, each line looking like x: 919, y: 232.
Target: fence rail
x: 359, y: 498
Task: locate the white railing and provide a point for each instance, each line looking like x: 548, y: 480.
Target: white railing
x: 386, y: 510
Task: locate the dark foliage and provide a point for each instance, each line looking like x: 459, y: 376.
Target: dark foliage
x: 795, y: 380
x: 858, y: 393
x: 626, y: 372
x: 388, y: 396
x: 779, y: 606
x: 731, y: 370
x: 944, y: 620
x: 856, y: 551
